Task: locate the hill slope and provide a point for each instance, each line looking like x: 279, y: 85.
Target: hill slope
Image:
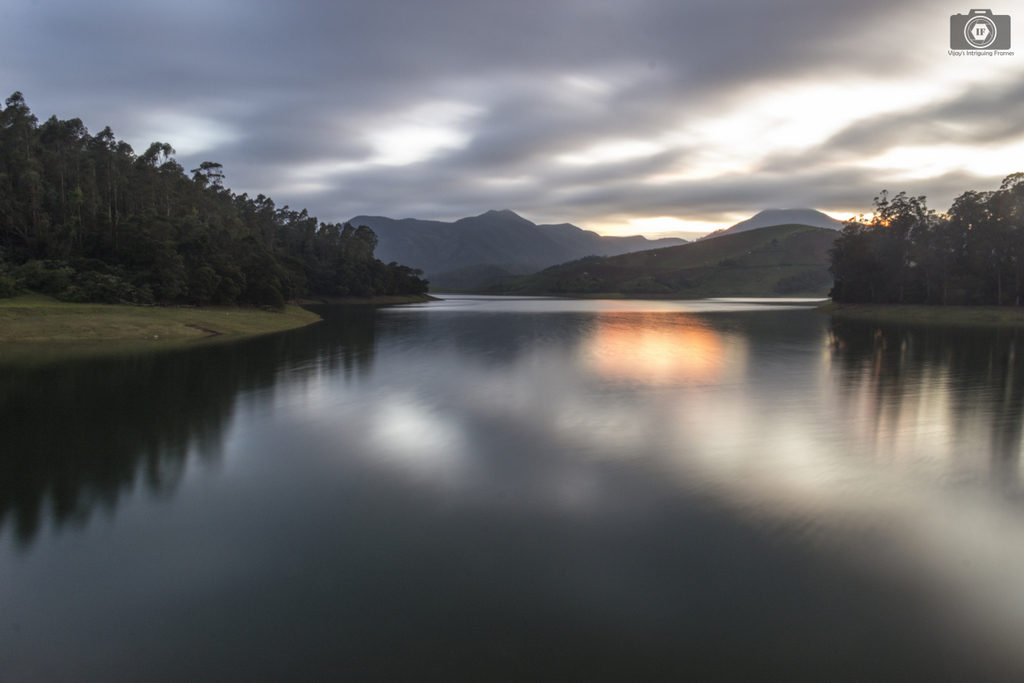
x: 783, y: 260
x: 472, y: 251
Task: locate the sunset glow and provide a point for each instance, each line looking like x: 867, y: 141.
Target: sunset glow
x: 625, y: 120
x: 660, y: 350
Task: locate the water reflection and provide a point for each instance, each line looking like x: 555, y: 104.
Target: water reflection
x: 79, y: 434
x: 661, y: 349
x: 571, y: 490
x: 951, y: 397
x: 751, y: 394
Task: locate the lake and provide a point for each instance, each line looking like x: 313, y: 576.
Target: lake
x: 521, y: 489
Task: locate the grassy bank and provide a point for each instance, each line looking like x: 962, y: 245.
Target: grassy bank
x: 929, y: 315
x: 34, y: 320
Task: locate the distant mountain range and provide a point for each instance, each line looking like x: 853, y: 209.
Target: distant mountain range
x: 472, y: 251
x: 770, y: 217
x: 780, y: 260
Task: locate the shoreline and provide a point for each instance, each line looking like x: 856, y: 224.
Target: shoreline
x: 379, y: 300
x: 656, y: 296
x: 36, y: 322
x: 963, y: 316
x: 37, y: 326
x: 30, y: 323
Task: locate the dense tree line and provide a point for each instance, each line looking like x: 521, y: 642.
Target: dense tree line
x: 906, y: 253
x: 85, y: 218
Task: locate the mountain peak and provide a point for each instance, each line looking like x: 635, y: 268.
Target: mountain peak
x: 496, y: 217
x: 501, y: 213
x: 769, y: 217
x: 786, y: 212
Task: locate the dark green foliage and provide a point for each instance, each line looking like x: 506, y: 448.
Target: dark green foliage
x: 8, y: 283
x: 48, y: 277
x: 79, y: 281
x: 973, y: 254
x: 103, y: 288
x: 86, y: 219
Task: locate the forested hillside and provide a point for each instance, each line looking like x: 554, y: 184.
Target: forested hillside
x: 906, y: 253
x: 85, y: 218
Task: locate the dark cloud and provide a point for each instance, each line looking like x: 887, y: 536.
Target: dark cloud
x: 289, y: 96
x: 985, y: 115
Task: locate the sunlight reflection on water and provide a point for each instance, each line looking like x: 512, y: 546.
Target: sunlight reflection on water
x: 654, y: 349
x: 870, y: 463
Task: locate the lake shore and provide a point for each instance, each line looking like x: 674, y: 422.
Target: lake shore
x: 381, y: 300
x: 39, y: 327
x: 40, y: 319
x: 36, y: 320
x: 968, y: 316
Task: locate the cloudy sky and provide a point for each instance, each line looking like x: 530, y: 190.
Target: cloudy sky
x: 623, y: 116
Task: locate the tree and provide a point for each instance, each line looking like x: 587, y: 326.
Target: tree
x: 20, y: 176
x: 974, y: 254
x: 83, y: 218
x: 209, y: 174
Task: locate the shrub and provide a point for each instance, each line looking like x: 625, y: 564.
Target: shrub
x: 8, y: 285
x: 47, y: 277
x: 99, y: 288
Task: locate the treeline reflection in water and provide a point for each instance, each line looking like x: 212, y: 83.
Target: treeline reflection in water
x: 952, y: 395
x: 79, y: 434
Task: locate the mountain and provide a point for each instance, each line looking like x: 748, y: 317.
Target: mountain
x: 471, y: 251
x: 770, y: 217
x: 782, y: 260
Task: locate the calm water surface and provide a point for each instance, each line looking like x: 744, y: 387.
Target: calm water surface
x: 521, y: 489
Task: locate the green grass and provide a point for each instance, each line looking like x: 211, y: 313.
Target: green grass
x: 36, y: 320
x: 966, y: 316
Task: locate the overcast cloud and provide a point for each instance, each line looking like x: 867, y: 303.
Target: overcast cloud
x: 604, y: 113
